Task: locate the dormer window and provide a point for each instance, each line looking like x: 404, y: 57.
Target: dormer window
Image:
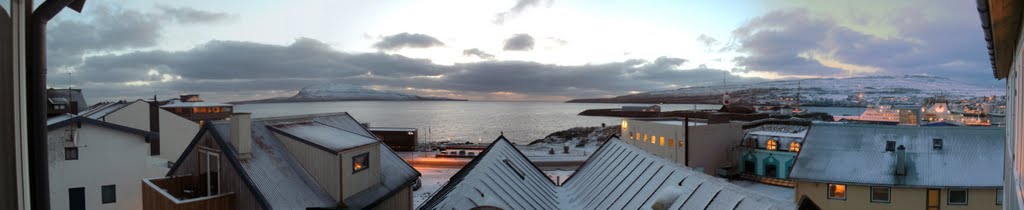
x: 360, y: 162
x: 794, y: 146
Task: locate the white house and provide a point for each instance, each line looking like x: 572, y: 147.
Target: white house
x: 97, y: 165
x: 175, y: 131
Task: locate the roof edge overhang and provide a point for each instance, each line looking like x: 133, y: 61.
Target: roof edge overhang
x: 1001, y: 22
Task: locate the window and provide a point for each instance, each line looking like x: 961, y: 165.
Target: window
x: 71, y: 153
x: 654, y: 139
x: 109, y: 193
x: 957, y: 197
x: 680, y: 144
x: 937, y: 143
x: 794, y: 146
x: 360, y: 162
x: 880, y: 194
x: 837, y: 191
x: 999, y: 197
x: 661, y: 142
x: 772, y: 144
x: 645, y: 137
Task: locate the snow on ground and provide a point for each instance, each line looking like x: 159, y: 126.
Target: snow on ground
x: 780, y: 193
x: 432, y: 179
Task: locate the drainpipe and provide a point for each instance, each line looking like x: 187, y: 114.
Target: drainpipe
x: 35, y: 42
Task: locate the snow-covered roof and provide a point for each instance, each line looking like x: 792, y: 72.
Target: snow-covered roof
x: 102, y: 109
x: 177, y: 103
x: 60, y: 121
x: 392, y: 129
x: 617, y: 176
x: 800, y: 134
x: 279, y: 180
x: 855, y: 153
x: 323, y: 136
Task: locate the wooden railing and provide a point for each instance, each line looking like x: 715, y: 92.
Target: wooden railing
x: 167, y: 194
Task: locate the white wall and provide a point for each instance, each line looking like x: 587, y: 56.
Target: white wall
x: 106, y: 157
x: 135, y: 115
x: 175, y: 134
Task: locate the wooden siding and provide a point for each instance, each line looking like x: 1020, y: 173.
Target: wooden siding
x: 153, y: 199
x: 400, y: 200
x: 231, y: 181
x: 321, y: 165
x: 359, y: 181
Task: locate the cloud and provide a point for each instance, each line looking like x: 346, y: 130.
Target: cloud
x: 520, y: 6
x: 797, y: 41
x: 708, y: 41
x: 478, y: 53
x: 217, y: 69
x: 407, y: 40
x: 187, y: 15
x: 519, y: 42
x: 114, y: 29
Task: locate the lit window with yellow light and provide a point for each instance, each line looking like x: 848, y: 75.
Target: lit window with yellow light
x: 794, y: 146
x: 661, y: 142
x: 837, y: 191
x: 645, y: 137
x: 654, y: 139
x: 360, y: 162
x: 772, y: 144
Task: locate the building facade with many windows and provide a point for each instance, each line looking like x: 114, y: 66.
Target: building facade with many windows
x: 860, y: 166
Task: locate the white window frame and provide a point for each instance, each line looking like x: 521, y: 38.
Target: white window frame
x: 210, y: 156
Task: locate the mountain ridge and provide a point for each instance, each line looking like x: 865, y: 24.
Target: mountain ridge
x: 816, y: 91
x: 345, y: 92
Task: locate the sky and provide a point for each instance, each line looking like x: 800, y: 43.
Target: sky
x: 503, y: 50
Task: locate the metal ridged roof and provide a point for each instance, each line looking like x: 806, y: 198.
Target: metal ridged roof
x: 847, y: 153
x: 284, y: 184
x: 617, y: 176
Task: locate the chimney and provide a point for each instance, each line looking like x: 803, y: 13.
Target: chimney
x: 901, y: 161
x: 241, y: 133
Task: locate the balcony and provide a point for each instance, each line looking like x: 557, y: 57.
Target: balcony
x: 182, y: 193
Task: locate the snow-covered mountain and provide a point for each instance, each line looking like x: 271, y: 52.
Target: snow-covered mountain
x: 346, y: 92
x: 825, y: 91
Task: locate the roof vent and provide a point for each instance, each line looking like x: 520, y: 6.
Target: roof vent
x: 890, y: 146
x: 937, y: 143
x: 901, y: 161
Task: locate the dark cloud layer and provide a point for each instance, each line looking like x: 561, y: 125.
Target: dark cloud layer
x: 478, y: 53
x: 187, y: 15
x: 218, y: 67
x: 519, y: 42
x: 407, y: 40
x: 112, y: 29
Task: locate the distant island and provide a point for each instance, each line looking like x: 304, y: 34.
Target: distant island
x: 345, y: 92
x: 854, y: 91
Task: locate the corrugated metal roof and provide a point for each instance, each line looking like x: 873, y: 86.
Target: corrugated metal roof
x: 855, y: 153
x: 617, y: 176
x: 284, y: 184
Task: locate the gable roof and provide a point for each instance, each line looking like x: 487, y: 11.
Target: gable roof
x: 60, y: 121
x: 855, y: 153
x: 280, y: 182
x: 616, y: 176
